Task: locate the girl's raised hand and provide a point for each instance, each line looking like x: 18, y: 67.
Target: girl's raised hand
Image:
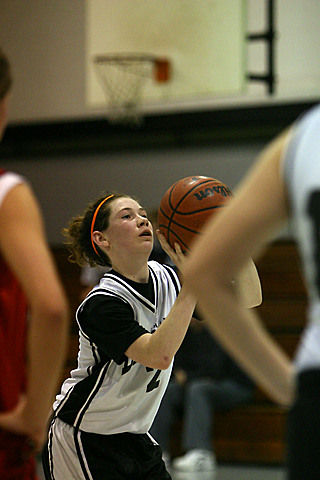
x: 176, y: 255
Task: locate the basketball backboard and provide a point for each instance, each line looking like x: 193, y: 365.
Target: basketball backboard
x: 204, y: 41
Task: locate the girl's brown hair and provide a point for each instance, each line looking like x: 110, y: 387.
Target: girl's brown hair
x: 78, y: 232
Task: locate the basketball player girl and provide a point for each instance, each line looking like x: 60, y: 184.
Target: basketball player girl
x: 285, y: 183
x: 130, y: 326
x: 106, y: 407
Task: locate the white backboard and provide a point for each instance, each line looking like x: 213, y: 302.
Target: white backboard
x: 204, y: 41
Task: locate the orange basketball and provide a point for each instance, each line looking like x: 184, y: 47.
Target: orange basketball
x: 187, y: 205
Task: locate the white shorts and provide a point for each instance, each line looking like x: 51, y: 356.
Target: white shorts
x: 64, y: 461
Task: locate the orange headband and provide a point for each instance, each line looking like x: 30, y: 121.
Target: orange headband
x: 94, y: 220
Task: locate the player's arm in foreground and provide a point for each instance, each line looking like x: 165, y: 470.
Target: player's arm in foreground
x: 23, y: 245
x: 235, y: 235
x: 248, y: 285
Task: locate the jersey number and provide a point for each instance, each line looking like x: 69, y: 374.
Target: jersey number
x: 154, y: 382
x: 314, y: 212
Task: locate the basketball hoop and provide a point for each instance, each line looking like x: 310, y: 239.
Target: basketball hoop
x: 122, y: 78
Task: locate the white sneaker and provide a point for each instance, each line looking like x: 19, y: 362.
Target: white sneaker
x: 195, y: 461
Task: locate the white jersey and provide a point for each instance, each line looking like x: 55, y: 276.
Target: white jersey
x: 109, y: 394
x: 302, y: 175
x: 8, y: 180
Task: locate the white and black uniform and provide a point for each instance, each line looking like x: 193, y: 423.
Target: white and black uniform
x: 302, y: 176
x: 109, y: 394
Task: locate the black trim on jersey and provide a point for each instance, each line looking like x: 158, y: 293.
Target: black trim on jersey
x: 49, y: 458
x: 103, y: 372
x: 173, y: 278
x: 133, y: 292
x: 82, y: 394
x: 156, y: 286
x: 80, y: 455
x: 94, y: 347
x: 105, y: 291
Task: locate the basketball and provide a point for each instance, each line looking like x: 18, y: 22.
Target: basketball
x: 187, y: 205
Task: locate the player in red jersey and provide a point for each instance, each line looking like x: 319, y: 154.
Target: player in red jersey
x: 29, y: 285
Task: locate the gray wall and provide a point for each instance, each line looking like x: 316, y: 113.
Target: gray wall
x: 64, y: 185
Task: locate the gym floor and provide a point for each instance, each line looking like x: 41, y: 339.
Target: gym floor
x: 228, y: 472
x: 239, y: 472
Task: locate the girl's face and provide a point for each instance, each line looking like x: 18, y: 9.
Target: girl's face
x: 129, y: 229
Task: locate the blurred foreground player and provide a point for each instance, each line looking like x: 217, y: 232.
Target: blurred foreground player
x: 28, y: 283
x: 285, y: 183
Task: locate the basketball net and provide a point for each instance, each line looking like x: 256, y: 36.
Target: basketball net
x: 122, y: 78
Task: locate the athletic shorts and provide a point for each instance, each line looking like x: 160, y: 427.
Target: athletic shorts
x: 72, y: 454
x: 16, y: 459
x: 304, y: 429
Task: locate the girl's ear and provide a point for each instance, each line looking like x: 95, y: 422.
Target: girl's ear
x: 100, y: 239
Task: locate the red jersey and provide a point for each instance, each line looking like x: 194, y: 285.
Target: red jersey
x: 12, y: 338
x: 13, y: 319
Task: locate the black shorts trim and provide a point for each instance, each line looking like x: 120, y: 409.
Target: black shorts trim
x: 124, y: 456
